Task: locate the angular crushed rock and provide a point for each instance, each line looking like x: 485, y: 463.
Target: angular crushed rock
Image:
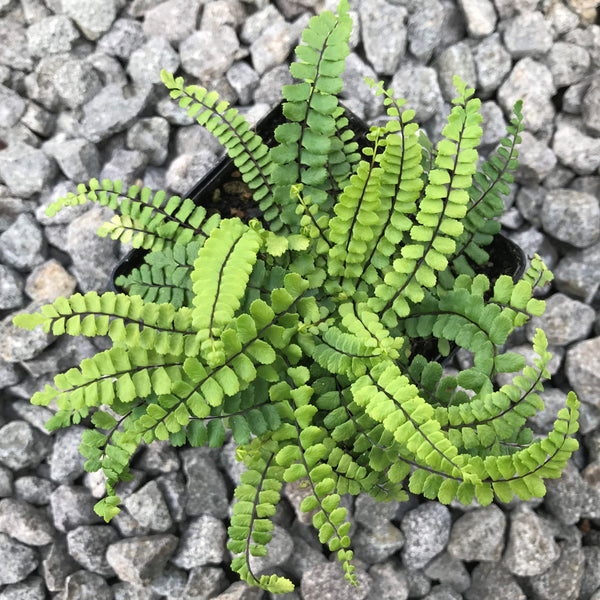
x: 426, y: 530
x: 202, y: 543
x: 52, y: 35
x: 478, y: 535
x: 140, y: 559
x: 531, y: 548
x: 420, y: 88
x: 564, y: 321
x: 384, y: 58
x: 150, y: 136
x: 425, y: 27
x: 564, y: 580
x: 124, y: 37
x: 493, y: 582
x: 112, y: 110
x: 87, y: 545
x: 21, y: 445
x: 575, y: 149
x: 388, y: 582
x: 77, y: 82
x: 532, y: 82
x: 16, y: 560
x: 582, y: 367
x: 480, y: 17
x: 25, y: 523
x: 177, y: 19
x: 77, y: 158
x: 93, y: 17
x: 11, y: 288
x: 146, y: 62
x: 375, y: 545
x: 25, y: 169
x: 71, y: 507
x: 273, y: 46
x: 528, y: 34
x: 148, y: 507
x: 48, y: 281
x: 572, y: 217
x: 12, y: 107
x: 455, y: 60
x: 327, y: 582
x: 208, y: 54
x: 493, y: 63
x: 84, y: 585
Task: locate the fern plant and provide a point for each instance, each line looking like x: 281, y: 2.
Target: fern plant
x: 299, y: 332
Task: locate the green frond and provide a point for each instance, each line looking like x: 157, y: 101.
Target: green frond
x: 244, y: 146
x: 148, y: 220
x: 219, y: 279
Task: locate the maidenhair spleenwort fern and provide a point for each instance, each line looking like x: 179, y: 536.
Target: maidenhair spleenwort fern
x: 299, y: 338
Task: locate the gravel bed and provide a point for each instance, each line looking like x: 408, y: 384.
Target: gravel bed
x: 80, y: 97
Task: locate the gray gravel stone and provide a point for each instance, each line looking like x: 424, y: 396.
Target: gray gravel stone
x: 426, y: 530
x: 531, y: 548
x: 532, y: 82
x: 93, y: 17
x: 372, y: 514
x: 494, y: 124
x: 25, y: 170
x: 14, y: 51
x: 34, y: 490
x: 77, y: 82
x: 528, y: 34
x: 125, y: 165
x: 148, y: 507
x: 493, y: 582
x: 448, y: 570
x: 591, y: 575
x: 561, y: 18
x: 87, y: 545
x: 177, y: 19
x: 6, y: 482
x: 40, y: 84
x: 205, y: 582
x: 57, y: 566
x: 388, y: 582
x: 478, y: 535
x: 138, y: 560
x: 90, y: 253
x: 113, y: 110
x: 202, y: 543
x: 374, y: 546
x: 125, y: 36
x: 208, y: 54
x: 71, y: 507
x: 575, y: 149
x: 25, y: 523
x: 170, y: 583
x: 565, y: 320
x: 269, y: 88
x: 244, y: 80
x: 326, y: 582
x: 206, y: 488
x: 16, y: 560
x: 572, y: 99
x: 187, y: 169
x: 12, y: 107
x: 279, y: 550
x: 455, y: 60
x: 564, y: 496
x: 583, y: 370
x: 257, y: 22
x: 77, y: 158
x: 536, y: 160
x: 147, y: 61
x: 38, y: 119
x: 159, y: 457
x: 572, y: 217
x: 480, y: 17
x: 11, y: 288
x: 22, y: 244
x: 52, y: 35
x: 21, y: 446
x: 418, y: 85
x: 492, y: 62
x: 66, y: 463
x: 578, y: 273
x: 564, y: 580
x: 31, y: 589
x: 568, y: 63
x: 304, y: 556
x: 554, y: 399
x: 128, y: 591
x: 272, y: 46
x: 425, y: 27
x: 84, y: 585
x: 223, y: 12
x: 590, y: 108
x: 110, y: 69
x: 384, y: 58
x: 150, y: 136
x: 356, y: 91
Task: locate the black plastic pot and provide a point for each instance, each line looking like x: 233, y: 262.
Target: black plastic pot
x: 207, y: 192
x: 506, y: 257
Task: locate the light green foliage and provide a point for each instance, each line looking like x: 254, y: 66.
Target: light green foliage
x: 300, y: 339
